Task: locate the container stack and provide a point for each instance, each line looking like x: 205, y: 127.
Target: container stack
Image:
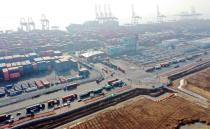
x: 27, y: 67
x: 74, y: 64
x: 42, y: 66
x: 5, y: 74
x: 14, y: 73
x: 62, y: 65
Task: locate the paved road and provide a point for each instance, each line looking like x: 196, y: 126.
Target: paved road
x: 190, y: 95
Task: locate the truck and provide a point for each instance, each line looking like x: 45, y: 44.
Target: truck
x: 97, y: 91
x: 52, y: 103
x: 111, y: 81
x: 71, y: 86
x: 4, y: 118
x: 35, y: 108
x: 71, y: 97
x: 84, y: 95
x: 108, y: 87
x: 118, y: 83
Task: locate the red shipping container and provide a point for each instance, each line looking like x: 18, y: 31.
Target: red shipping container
x: 5, y: 74
x: 14, y: 75
x: 45, y: 83
x: 39, y: 84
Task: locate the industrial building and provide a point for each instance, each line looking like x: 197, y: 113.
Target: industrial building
x: 93, y: 55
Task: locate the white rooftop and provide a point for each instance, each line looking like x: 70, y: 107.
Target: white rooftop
x: 92, y: 53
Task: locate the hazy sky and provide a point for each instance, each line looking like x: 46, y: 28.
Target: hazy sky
x: 64, y: 12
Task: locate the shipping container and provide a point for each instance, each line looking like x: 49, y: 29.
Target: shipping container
x: 34, y: 65
x: 12, y: 92
x: 39, y: 84
x: 17, y: 87
x: 35, y: 108
x: 2, y: 66
x: 39, y: 59
x: 84, y: 95
x: 52, y: 103
x: 32, y: 84
x: 24, y: 86
x: 31, y: 89
x: 111, y: 81
x: 13, y: 70
x: 42, y: 66
x: 118, y: 83
x: 62, y: 79
x: 27, y: 67
x: 45, y: 83
x: 4, y: 118
x: 97, y: 91
x: 14, y: 76
x: 62, y: 65
x: 6, y: 74
x: 32, y: 56
x: 2, y: 60
x: 108, y: 87
x: 9, y: 86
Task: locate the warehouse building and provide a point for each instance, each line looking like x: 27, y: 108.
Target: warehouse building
x: 93, y: 55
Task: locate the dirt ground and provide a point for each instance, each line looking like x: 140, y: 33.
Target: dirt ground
x: 145, y: 114
x: 200, y: 83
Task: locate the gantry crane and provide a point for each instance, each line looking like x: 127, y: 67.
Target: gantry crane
x: 44, y: 22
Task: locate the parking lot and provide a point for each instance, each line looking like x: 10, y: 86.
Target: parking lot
x: 18, y: 110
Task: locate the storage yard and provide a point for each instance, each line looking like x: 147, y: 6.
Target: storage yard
x: 51, y: 77
x: 144, y: 113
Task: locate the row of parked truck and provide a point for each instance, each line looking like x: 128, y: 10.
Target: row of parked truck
x: 109, y: 86
x: 53, y: 103
x: 173, y: 61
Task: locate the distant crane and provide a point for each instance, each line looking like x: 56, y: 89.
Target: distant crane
x: 192, y: 14
x: 134, y: 19
x: 44, y: 22
x: 105, y: 11
x: 31, y: 24
x: 23, y: 24
x: 160, y: 17
x: 97, y: 12
x: 105, y: 15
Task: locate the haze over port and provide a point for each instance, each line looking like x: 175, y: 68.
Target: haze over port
x: 63, y: 12
x: 104, y: 64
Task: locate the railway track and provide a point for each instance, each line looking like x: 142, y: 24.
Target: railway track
x: 61, y: 119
